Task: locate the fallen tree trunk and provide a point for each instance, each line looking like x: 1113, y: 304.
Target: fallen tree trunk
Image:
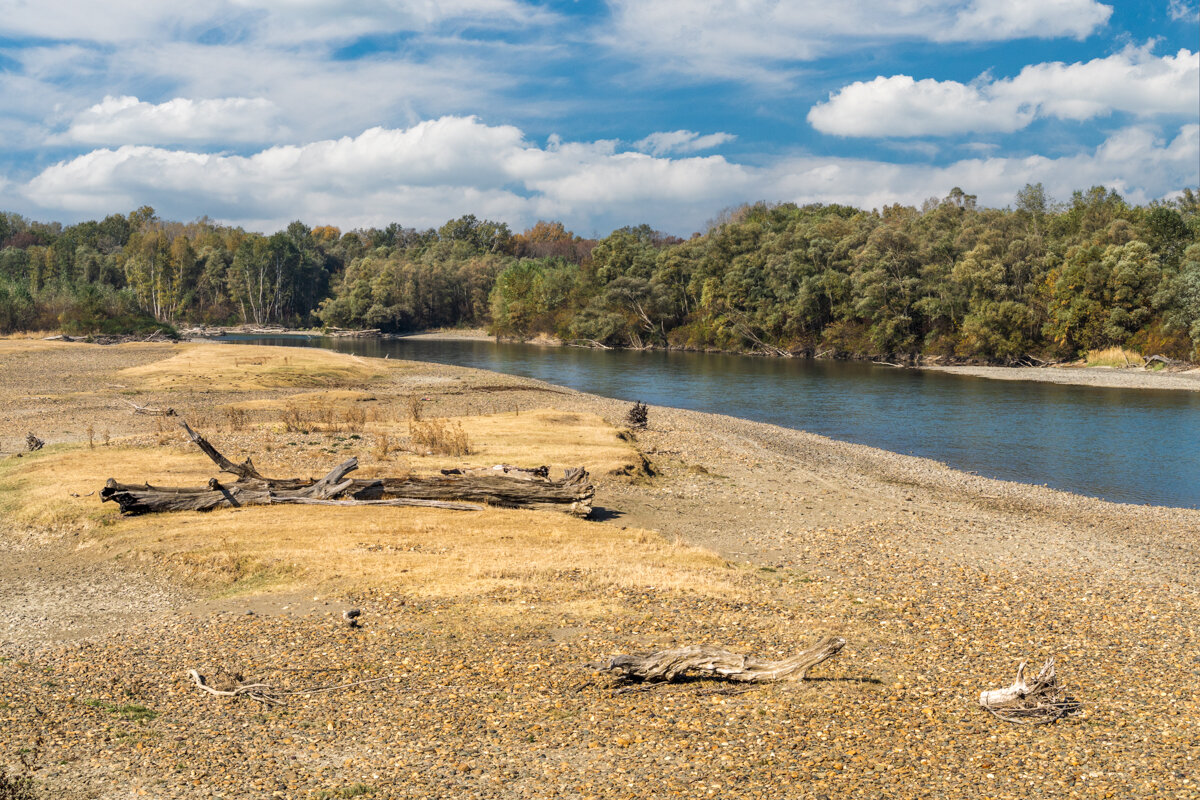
x: 454, y: 490
x: 665, y: 666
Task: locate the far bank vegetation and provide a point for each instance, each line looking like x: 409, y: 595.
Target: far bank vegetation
x: 1033, y: 282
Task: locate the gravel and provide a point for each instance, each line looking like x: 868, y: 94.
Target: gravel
x: 942, y: 582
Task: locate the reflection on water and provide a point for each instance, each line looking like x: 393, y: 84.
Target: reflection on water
x: 1124, y: 445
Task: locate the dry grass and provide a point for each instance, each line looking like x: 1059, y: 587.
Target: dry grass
x: 495, y: 554
x: 1114, y: 357
x: 544, y: 436
x: 439, y: 437
x: 221, y: 367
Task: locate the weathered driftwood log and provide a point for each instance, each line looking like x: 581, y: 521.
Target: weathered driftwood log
x: 1170, y: 362
x: 665, y: 666
x: 154, y: 412
x: 573, y: 494
x: 32, y: 442
x: 1043, y: 700
x: 148, y: 499
x: 507, y: 470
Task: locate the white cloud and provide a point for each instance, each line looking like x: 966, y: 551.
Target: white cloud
x: 1182, y: 11
x: 127, y: 120
x: 664, y: 142
x: 750, y: 38
x: 443, y: 168
x: 901, y: 106
x: 1132, y: 81
x: 57, y: 88
x: 990, y: 20
x: 288, y: 21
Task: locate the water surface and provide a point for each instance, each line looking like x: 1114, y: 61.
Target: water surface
x: 1126, y: 445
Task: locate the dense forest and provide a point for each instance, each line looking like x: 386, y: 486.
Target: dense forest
x: 1037, y: 280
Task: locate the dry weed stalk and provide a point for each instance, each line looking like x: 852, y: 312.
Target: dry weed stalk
x: 414, y: 408
x: 91, y: 434
x: 439, y: 436
x: 294, y: 420
x: 356, y: 419
x: 383, y: 447
x: 237, y: 418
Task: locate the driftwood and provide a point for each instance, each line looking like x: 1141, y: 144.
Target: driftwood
x: 1043, y: 700
x: 154, y: 412
x: 1170, y: 362
x: 457, y: 490
x: 665, y: 666
x: 521, y: 473
x: 262, y: 692
x: 32, y: 442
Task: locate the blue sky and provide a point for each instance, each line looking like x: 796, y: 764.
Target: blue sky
x: 600, y: 114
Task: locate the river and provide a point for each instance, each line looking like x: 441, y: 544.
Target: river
x: 1124, y: 445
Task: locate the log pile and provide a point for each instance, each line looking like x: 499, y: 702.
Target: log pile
x: 454, y: 489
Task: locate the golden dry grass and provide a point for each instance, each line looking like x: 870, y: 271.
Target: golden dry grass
x: 542, y: 437
x: 1114, y: 357
x: 558, y: 439
x: 220, y: 367
x: 497, y: 554
x: 17, y: 344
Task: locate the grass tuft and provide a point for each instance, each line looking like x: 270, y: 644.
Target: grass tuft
x: 440, y: 437
x: 1114, y: 357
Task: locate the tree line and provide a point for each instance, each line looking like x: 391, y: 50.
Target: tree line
x: 1037, y: 280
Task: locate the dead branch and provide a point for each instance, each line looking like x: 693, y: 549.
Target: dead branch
x: 665, y: 666
x: 1044, y: 700
x: 32, y: 442
x: 265, y: 693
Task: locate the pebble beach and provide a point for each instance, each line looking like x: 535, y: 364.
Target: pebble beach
x: 940, y: 581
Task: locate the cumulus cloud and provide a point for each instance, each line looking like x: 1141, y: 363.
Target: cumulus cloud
x: 127, y: 120
x: 439, y: 169
x: 750, y: 38
x: 664, y: 142
x: 1132, y: 81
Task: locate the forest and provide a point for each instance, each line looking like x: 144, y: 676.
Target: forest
x: 1039, y: 280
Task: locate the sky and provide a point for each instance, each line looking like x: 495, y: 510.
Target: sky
x: 598, y: 113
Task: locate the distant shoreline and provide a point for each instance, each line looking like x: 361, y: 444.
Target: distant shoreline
x: 1103, y: 377
x: 1100, y: 377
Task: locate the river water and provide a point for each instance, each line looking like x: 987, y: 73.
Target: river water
x: 1125, y: 445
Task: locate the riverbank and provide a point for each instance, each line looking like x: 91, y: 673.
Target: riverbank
x: 1106, y: 377
x: 757, y: 538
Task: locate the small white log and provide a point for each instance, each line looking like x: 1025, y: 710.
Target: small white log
x: 1042, y: 700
